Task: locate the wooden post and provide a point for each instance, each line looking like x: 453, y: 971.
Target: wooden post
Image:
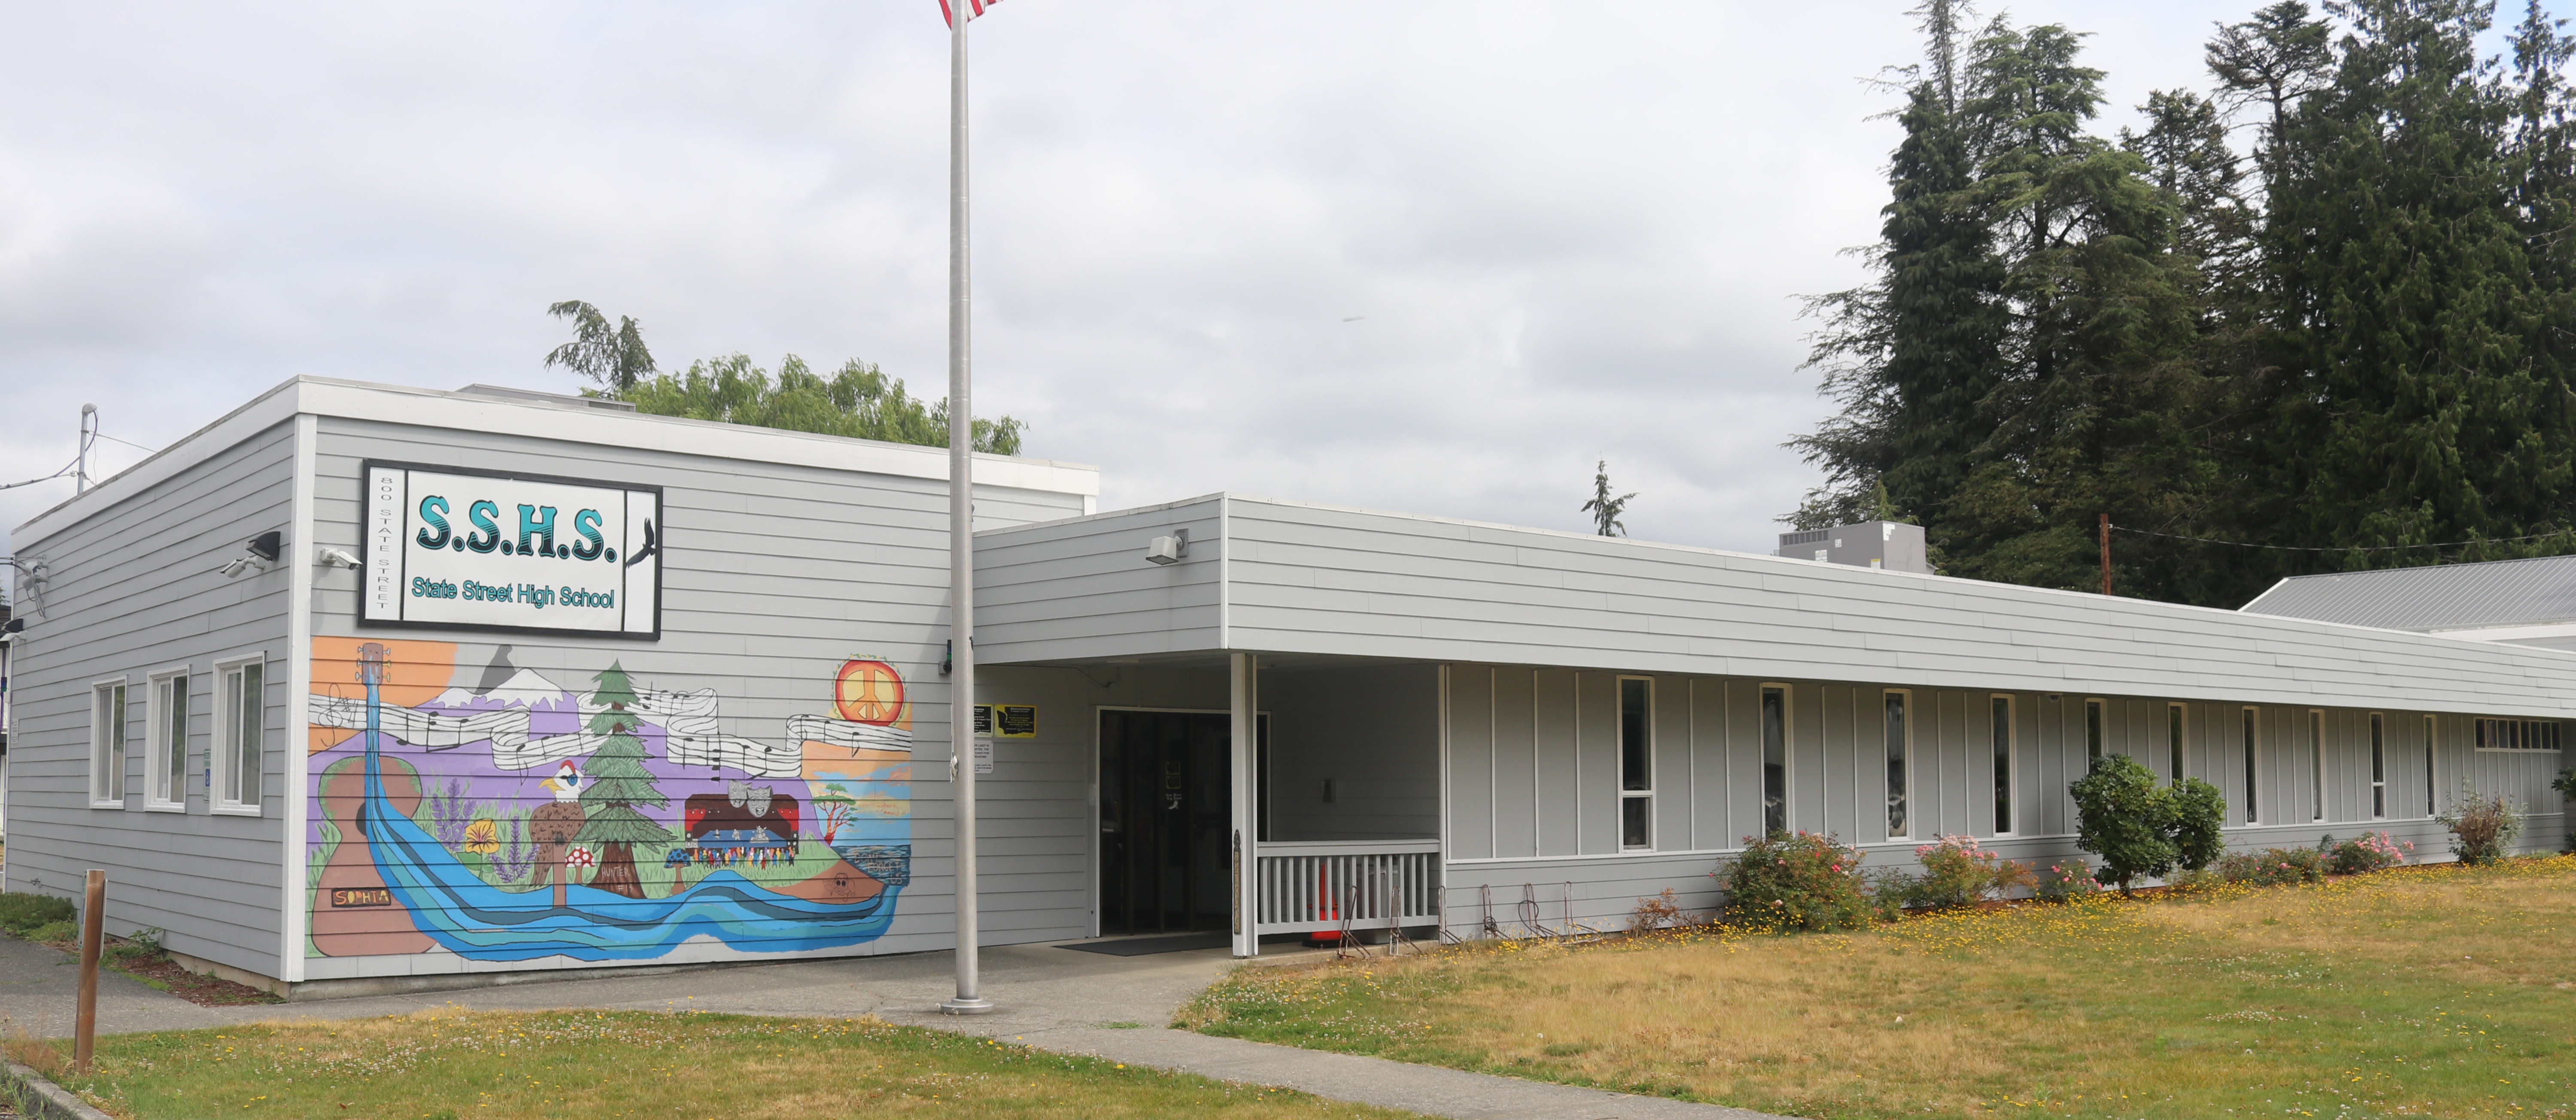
x: 93, y: 930
x: 2106, y: 554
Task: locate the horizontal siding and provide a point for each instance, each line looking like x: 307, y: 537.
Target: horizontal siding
x: 133, y: 589
x: 1084, y: 588
x: 1310, y: 579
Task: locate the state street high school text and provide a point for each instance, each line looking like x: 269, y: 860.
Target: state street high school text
x: 369, y: 688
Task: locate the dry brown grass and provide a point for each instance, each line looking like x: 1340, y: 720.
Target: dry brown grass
x: 2248, y: 999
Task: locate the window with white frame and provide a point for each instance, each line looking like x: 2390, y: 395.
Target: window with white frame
x: 107, y: 738
x: 2517, y: 735
x: 1636, y: 763
x: 1775, y: 759
x: 2429, y: 784
x: 165, y: 742
x: 240, y: 711
x: 2002, y: 727
x: 1899, y: 781
x: 2317, y: 764
x: 2378, y: 766
x: 2173, y: 744
x: 2094, y: 732
x: 2250, y: 727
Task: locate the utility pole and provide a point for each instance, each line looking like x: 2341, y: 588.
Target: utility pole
x: 2106, y: 554
x: 961, y: 528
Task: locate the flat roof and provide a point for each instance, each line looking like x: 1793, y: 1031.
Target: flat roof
x: 553, y: 417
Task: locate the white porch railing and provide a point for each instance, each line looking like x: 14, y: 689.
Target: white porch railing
x: 1371, y: 884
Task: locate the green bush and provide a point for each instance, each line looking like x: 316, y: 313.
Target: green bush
x: 1786, y: 882
x: 2373, y: 851
x: 2482, y: 827
x: 2065, y: 880
x: 2140, y: 827
x: 22, y: 914
x: 2274, y: 867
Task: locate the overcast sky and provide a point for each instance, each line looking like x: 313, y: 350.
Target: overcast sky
x: 1436, y: 257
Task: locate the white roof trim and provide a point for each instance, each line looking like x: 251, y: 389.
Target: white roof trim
x: 568, y: 422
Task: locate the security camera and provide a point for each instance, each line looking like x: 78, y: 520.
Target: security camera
x: 337, y: 558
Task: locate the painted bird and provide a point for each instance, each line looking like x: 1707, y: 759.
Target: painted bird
x: 566, y: 783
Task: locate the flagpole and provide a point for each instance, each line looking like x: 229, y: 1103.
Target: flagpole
x: 961, y: 531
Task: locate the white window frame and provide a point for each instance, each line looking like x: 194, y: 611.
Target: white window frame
x: 2432, y: 736
x: 1788, y: 754
x: 107, y: 755
x: 2250, y: 734
x: 1906, y: 735
x: 2378, y: 766
x: 2317, y: 762
x: 158, y: 742
x: 222, y: 748
x: 1620, y: 686
x: 2097, y: 729
x: 2011, y: 791
x: 2177, y: 736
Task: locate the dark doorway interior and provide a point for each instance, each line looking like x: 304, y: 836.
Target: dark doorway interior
x: 1165, y: 789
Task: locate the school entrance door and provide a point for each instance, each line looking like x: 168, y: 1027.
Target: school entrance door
x: 1166, y: 786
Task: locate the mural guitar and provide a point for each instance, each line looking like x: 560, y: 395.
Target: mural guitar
x: 514, y: 820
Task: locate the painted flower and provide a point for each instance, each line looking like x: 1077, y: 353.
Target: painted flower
x: 482, y: 836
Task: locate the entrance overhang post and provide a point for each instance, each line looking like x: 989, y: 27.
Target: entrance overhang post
x: 1242, y: 737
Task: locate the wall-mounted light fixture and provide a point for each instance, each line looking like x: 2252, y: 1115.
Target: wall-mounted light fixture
x: 257, y: 554
x: 1169, y: 550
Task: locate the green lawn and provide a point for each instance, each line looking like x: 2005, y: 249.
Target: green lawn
x: 600, y: 1065
x: 2440, y: 991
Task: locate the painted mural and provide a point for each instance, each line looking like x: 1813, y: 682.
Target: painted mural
x: 505, y: 815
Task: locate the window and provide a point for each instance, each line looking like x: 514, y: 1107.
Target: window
x: 2092, y: 731
x: 107, y: 734
x: 2517, y: 735
x: 240, y: 708
x: 1897, y: 787
x: 2003, y: 735
x: 2428, y: 766
x: 2173, y: 741
x: 2378, y: 767
x: 1636, y: 763
x: 2317, y: 762
x: 165, y: 742
x: 1775, y: 760
x: 2249, y: 766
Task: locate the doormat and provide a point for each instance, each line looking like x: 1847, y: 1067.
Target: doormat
x: 1147, y: 946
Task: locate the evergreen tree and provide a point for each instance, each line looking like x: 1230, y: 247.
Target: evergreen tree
x: 2426, y: 398
x: 617, y: 783
x: 1605, y: 510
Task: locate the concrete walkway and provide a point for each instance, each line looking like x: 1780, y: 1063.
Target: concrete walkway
x: 1057, y: 999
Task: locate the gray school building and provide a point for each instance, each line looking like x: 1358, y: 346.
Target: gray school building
x: 363, y: 688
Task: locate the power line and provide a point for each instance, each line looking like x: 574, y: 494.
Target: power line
x: 2344, y: 548
x: 66, y: 469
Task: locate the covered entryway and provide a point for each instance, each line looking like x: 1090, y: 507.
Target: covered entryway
x: 1166, y: 800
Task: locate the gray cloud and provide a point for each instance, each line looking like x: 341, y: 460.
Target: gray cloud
x: 1570, y: 231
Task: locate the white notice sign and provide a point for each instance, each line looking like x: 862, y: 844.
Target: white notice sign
x: 453, y: 548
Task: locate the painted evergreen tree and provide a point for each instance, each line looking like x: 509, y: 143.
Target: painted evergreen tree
x: 617, y: 783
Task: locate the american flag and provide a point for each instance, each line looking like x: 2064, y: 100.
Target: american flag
x: 978, y: 5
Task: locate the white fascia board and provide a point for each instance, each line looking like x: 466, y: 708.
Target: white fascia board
x: 569, y: 423
x: 2510, y: 633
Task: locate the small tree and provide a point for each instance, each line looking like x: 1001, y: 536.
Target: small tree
x: 2126, y: 818
x: 2141, y: 828
x: 1605, y: 510
x: 618, y: 782
x: 2482, y: 826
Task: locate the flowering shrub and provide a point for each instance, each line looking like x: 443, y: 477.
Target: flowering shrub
x: 1956, y: 872
x: 2367, y: 852
x: 2482, y: 826
x: 2274, y: 866
x: 2065, y: 880
x: 1791, y: 882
